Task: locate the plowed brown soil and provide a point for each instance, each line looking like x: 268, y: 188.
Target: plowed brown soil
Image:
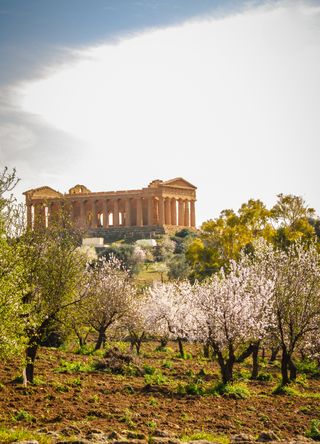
x: 100, y: 400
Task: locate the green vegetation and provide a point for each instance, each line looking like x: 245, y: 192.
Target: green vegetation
x: 198, y: 436
x: 314, y: 432
x: 233, y: 391
x: 15, y: 435
x: 74, y: 367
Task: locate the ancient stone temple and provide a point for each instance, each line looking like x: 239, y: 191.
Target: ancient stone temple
x: 161, y: 207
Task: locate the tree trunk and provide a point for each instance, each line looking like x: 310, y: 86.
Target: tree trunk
x: 274, y: 354
x: 246, y: 353
x: 101, y: 339
x: 138, y: 345
x: 181, y: 350
x: 284, y: 367
x: 31, y: 353
x: 293, y: 370
x: 225, y: 367
x: 263, y: 354
x: 206, y: 350
x: 163, y: 342
x: 255, y: 360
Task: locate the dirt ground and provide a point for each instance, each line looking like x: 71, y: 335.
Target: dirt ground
x: 150, y: 399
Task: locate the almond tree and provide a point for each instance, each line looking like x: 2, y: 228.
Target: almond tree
x: 12, y: 284
x: 53, y: 270
x: 234, y: 309
x: 296, y: 301
x: 110, y: 295
x: 169, y: 313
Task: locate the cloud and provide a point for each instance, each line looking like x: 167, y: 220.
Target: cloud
x: 15, y: 137
x: 231, y: 103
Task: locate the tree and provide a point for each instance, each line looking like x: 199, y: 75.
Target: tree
x: 110, y: 296
x: 53, y: 271
x: 222, y: 239
x: 296, y: 300
x: 292, y: 216
x: 233, y: 309
x: 11, y: 272
x: 168, y: 311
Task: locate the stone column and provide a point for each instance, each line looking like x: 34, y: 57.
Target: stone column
x: 105, y: 214
x: 39, y: 215
x: 73, y: 211
x: 193, y: 213
x: 29, y: 216
x: 173, y: 204
x: 139, y: 212
x: 186, y: 213
x: 161, y: 211
x: 181, y: 213
x: 127, y: 212
x: 168, y: 211
x: 83, y: 215
x: 94, y: 221
x: 150, y: 211
x: 115, y: 213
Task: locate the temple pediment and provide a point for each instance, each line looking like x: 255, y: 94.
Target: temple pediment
x: 179, y: 182
x: 42, y: 193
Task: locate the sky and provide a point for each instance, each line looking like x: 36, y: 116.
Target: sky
x: 113, y: 94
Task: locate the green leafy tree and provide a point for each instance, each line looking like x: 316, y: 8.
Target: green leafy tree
x: 11, y: 273
x: 54, y: 271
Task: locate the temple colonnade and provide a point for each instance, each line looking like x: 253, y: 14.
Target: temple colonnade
x: 92, y: 212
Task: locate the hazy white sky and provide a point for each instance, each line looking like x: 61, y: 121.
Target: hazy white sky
x: 231, y: 103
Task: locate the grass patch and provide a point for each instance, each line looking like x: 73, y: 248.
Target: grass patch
x: 14, y: 435
x: 288, y: 390
x: 23, y: 415
x: 314, y: 432
x: 233, y: 391
x: 156, y: 378
x: 264, y: 377
x: 308, y: 367
x: 74, y: 367
x: 197, y: 436
x: 192, y: 388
